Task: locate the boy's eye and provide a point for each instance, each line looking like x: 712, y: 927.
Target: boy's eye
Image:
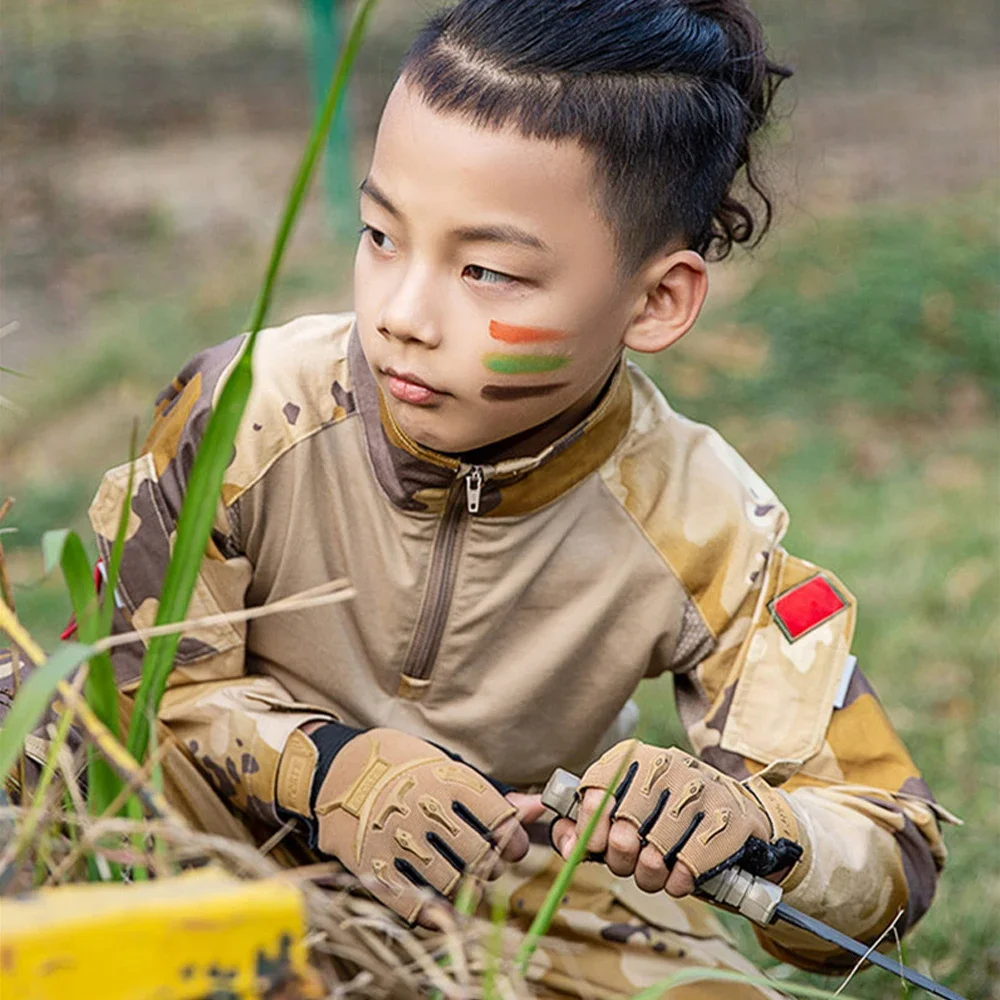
x: 377, y: 237
x: 486, y: 276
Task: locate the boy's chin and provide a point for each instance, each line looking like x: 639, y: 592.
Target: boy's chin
x: 428, y: 430
x: 446, y: 436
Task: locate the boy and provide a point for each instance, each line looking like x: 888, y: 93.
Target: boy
x: 530, y: 529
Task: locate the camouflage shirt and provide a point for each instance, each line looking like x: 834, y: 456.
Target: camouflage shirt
x: 509, y: 612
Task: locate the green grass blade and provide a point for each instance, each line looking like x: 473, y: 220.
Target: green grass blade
x: 313, y: 150
x: 53, y: 543
x: 118, y: 546
x: 103, y: 784
x: 547, y: 911
x: 102, y: 693
x: 494, y: 948
x: 33, y: 698
x: 194, y: 524
x: 66, y: 548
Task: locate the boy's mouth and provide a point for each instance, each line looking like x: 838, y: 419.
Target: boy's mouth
x: 410, y: 388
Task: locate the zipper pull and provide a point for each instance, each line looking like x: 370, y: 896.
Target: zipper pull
x: 473, y: 488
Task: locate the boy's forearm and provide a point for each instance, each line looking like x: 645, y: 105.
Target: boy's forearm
x: 869, y: 862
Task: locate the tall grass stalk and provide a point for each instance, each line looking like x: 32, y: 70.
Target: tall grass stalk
x: 194, y: 524
x: 553, y: 899
x: 102, y: 782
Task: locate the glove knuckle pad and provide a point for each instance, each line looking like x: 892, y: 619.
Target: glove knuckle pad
x: 683, y: 809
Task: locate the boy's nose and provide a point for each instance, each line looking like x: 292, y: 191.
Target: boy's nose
x: 407, y: 313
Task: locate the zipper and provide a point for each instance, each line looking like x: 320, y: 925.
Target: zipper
x: 473, y: 488
x: 463, y: 501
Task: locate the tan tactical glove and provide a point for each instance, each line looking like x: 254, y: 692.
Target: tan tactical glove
x: 401, y: 814
x: 676, y: 821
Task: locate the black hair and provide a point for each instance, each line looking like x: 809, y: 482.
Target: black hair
x: 665, y: 94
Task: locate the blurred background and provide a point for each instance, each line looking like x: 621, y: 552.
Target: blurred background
x: 853, y: 359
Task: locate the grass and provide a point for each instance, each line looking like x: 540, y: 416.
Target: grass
x: 897, y: 497
x: 919, y: 555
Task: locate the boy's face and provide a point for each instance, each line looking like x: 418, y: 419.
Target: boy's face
x: 487, y: 289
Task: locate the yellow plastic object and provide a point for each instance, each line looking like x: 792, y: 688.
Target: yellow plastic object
x: 201, y: 934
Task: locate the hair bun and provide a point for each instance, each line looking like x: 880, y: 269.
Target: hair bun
x: 745, y: 64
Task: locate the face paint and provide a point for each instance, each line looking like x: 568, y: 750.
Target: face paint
x: 509, y: 393
x: 524, y: 364
x: 524, y: 334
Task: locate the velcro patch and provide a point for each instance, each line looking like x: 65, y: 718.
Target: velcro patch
x: 806, y: 606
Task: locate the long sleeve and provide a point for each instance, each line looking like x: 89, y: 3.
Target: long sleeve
x: 233, y: 725
x: 779, y: 695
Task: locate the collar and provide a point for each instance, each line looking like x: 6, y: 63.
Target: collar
x: 416, y: 478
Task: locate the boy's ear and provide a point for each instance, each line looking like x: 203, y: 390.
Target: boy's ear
x: 673, y: 289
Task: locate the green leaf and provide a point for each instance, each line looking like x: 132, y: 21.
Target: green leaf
x: 33, y: 698
x: 194, y: 524
x: 118, y: 546
x: 52, y: 548
x: 103, y: 784
x: 80, y: 583
x: 102, y: 691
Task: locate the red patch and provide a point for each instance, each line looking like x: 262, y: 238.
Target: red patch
x: 807, y: 606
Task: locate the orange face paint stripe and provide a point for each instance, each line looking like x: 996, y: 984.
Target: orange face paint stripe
x: 510, y: 334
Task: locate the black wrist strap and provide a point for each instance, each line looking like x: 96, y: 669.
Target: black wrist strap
x: 329, y: 739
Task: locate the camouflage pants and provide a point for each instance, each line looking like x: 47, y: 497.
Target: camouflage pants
x: 610, y: 940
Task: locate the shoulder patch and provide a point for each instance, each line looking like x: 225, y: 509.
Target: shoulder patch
x: 806, y: 606
x: 789, y: 666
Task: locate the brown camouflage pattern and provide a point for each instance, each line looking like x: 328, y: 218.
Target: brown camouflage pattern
x: 652, y: 549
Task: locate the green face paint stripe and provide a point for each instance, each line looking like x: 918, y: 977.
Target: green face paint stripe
x: 524, y: 364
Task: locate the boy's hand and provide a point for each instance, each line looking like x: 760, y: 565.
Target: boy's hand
x: 401, y: 814
x: 674, y: 820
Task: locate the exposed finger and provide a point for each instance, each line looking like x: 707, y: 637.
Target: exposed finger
x: 564, y: 836
x: 650, y: 871
x: 592, y: 799
x: 512, y: 840
x: 623, y: 847
x: 680, y: 881
x: 530, y: 808
x: 487, y: 866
